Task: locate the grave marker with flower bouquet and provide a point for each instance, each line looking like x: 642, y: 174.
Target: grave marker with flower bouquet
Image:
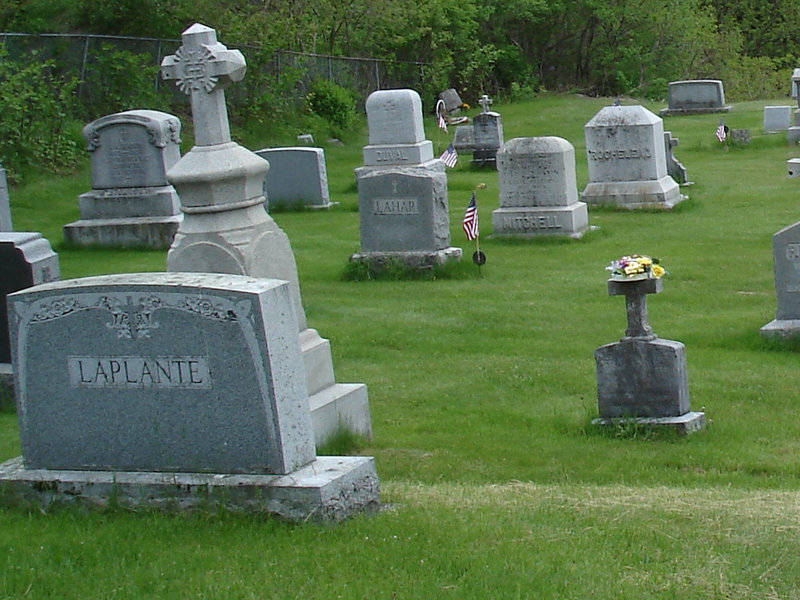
x: 642, y: 377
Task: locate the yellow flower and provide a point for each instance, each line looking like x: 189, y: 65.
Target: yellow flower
x: 645, y: 260
x: 657, y: 271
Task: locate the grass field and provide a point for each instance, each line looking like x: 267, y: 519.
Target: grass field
x: 482, y: 389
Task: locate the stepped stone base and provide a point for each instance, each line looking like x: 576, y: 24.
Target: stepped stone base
x: 414, y: 260
x: 685, y: 424
x: 781, y: 328
x: 145, y: 232
x: 329, y: 489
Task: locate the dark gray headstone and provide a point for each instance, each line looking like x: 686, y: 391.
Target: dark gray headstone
x: 488, y: 128
x: 297, y: 177
x: 26, y: 259
x: 695, y: 96
x: 786, y: 260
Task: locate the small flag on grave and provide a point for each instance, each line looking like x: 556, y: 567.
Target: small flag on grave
x: 470, y: 222
x: 440, y: 112
x: 722, y: 132
x: 449, y: 156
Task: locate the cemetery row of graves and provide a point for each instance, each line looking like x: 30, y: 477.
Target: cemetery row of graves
x: 209, y: 382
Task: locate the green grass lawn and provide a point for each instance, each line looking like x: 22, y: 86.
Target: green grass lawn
x: 482, y: 389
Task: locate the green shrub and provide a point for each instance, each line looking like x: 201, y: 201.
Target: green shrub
x: 333, y: 103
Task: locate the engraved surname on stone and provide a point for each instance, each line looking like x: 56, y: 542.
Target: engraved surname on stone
x: 525, y: 222
x: 187, y: 372
x: 393, y: 155
x: 793, y: 250
x: 395, y: 206
x: 792, y: 289
x: 619, y: 153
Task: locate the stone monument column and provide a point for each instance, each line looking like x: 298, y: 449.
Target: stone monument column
x: 226, y: 228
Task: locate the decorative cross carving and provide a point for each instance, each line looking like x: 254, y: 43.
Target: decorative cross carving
x: 202, y: 68
x: 485, y: 102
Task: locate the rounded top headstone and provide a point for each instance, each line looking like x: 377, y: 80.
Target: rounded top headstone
x: 395, y: 117
x: 623, y: 116
x: 536, y: 145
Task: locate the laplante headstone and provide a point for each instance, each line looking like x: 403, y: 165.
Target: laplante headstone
x: 538, y: 193
x: 297, y: 177
x: 5, y: 203
x: 777, y: 118
x: 488, y: 131
x: 627, y: 164
x: 643, y: 377
x: 695, y: 96
x: 402, y: 189
x: 131, y: 202
x: 225, y: 227
x: 195, y: 375
x: 786, y: 261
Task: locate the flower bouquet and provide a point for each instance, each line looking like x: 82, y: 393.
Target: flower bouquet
x: 635, y: 267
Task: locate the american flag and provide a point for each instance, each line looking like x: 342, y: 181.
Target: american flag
x: 470, y: 222
x: 440, y: 112
x: 449, y: 156
x: 721, y: 132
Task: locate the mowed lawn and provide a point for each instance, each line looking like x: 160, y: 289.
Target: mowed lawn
x: 482, y: 391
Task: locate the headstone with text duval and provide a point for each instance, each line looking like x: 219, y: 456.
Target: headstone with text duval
x: 627, y: 164
x: 182, y: 389
x: 538, y: 190
x: 402, y: 188
x: 131, y: 202
x: 226, y: 229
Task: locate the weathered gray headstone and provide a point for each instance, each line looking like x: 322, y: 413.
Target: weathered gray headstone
x: 131, y: 202
x: 538, y: 193
x: 627, y: 164
x: 179, y: 373
x: 643, y: 377
x: 225, y: 227
x: 786, y: 260
x: 777, y: 118
x: 793, y: 133
x: 675, y: 169
x: 5, y: 203
x: 402, y: 189
x: 452, y: 101
x: 695, y: 96
x: 464, y: 139
x: 297, y: 177
x: 488, y: 132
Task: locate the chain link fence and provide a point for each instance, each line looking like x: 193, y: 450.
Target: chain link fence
x: 86, y: 58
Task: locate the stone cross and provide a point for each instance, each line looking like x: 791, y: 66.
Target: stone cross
x: 635, y: 293
x: 485, y: 102
x: 202, y: 68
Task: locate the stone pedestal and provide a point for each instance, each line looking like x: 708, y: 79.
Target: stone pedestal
x: 131, y: 202
x: 627, y: 164
x: 642, y: 377
x: 538, y: 193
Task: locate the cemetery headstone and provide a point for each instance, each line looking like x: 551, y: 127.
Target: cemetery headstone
x: 740, y: 136
x: 402, y: 189
x: 786, y: 261
x: 696, y: 96
x: 793, y: 133
x: 297, y: 177
x: 488, y: 132
x: 538, y: 190
x: 226, y: 228
x: 181, y: 387
x: 26, y: 259
x: 452, y: 106
x: 464, y: 139
x: 5, y: 203
x: 627, y: 164
x: 131, y: 202
x: 643, y: 377
x: 675, y: 169
x: 777, y: 118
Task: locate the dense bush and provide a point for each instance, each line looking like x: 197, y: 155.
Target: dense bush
x: 333, y: 103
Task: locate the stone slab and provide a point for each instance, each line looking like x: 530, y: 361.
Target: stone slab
x: 777, y: 118
x: 464, y: 139
x: 328, y: 489
x: 398, y: 154
x: 793, y: 166
x: 663, y: 193
x: 171, y: 372
x: 537, y: 172
x: 783, y: 328
x: 297, y: 177
x: 340, y: 407
x: 571, y: 221
x: 414, y: 260
x: 642, y: 378
x: 695, y: 96
x: 134, y: 232
x: 394, y: 117
x: 121, y: 203
x: 685, y: 424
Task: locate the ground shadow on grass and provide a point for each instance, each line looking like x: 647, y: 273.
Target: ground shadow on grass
x: 397, y: 270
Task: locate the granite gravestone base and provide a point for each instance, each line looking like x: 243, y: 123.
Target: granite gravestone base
x: 131, y: 202
x: 26, y: 259
x: 538, y: 193
x: 786, y: 260
x: 182, y: 389
x: 643, y: 378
